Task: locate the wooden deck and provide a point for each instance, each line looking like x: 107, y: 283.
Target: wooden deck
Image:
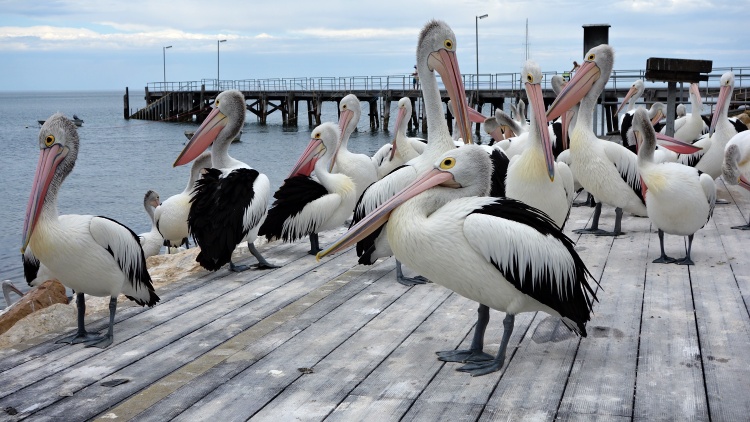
x: 334, y: 341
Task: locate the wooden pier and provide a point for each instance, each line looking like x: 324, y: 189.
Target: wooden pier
x: 191, y: 101
x: 336, y: 341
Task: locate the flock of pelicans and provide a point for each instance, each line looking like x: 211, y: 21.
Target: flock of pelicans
x: 483, y: 221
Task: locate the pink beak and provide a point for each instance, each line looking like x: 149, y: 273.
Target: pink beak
x: 399, y: 120
x: 724, y: 93
x: 203, y: 137
x: 744, y: 183
x: 446, y: 64
x: 575, y: 90
x: 630, y: 93
x: 536, y: 100
x: 306, y: 162
x: 675, y: 145
x: 49, y: 159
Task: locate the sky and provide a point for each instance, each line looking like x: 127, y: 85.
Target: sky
x: 110, y: 45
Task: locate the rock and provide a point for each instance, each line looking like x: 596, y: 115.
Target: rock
x: 56, y: 318
x: 48, y: 293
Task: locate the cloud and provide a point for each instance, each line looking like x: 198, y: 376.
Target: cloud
x: 359, y: 33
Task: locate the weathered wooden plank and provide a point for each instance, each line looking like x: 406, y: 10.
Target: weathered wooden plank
x: 603, y: 376
x: 390, y: 390
x: 723, y: 326
x: 315, y: 396
x: 735, y: 241
x: 80, y: 375
x: 192, y: 382
x: 260, y: 383
x: 670, y: 377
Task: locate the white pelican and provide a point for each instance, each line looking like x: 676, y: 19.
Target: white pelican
x: 533, y: 176
x: 690, y: 127
x: 634, y: 93
x: 499, y: 252
x: 305, y: 206
x: 91, y: 255
x: 436, y: 50
x: 679, y: 199
x: 403, y: 148
x: 359, y: 167
x: 607, y: 170
x: 172, y: 215
x: 736, y: 166
x: 230, y: 201
x: 680, y: 111
x: 151, y: 241
x: 656, y: 112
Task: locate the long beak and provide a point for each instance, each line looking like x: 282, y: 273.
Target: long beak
x: 675, y: 145
x: 399, y: 119
x: 695, y: 90
x: 203, y: 137
x: 344, y: 118
x: 475, y: 116
x: 498, y: 134
x: 630, y: 93
x: 658, y: 116
x: 724, y: 92
x: 306, y: 162
x: 744, y: 183
x: 380, y: 215
x: 567, y: 117
x: 575, y: 90
x: 49, y: 159
x: 536, y: 101
x: 446, y: 64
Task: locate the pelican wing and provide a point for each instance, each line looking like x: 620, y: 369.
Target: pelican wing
x: 296, y: 212
x: 126, y: 250
x: 625, y: 124
x: 563, y: 172
x: 500, y: 163
x: 419, y: 144
x: 709, y: 188
x: 30, y: 266
x: 381, y: 154
x: 534, y: 255
x: 691, y: 160
x: 626, y: 164
x: 225, y: 207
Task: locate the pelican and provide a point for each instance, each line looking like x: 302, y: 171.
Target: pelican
x: 656, y: 112
x: 403, y: 148
x: 91, y: 255
x: 172, y: 215
x: 680, y: 111
x: 230, y: 201
x: 152, y: 241
x: 531, y: 175
x: 634, y: 93
x: 736, y: 166
x: 679, y: 199
x: 690, y: 127
x: 359, y: 167
x: 436, y: 50
x: 607, y: 170
x: 499, y: 252
x: 305, y: 206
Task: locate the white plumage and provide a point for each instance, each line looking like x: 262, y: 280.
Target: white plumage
x: 359, y: 167
x: 403, y: 148
x: 736, y: 166
x: 151, y: 241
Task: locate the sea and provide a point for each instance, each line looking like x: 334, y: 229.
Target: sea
x: 120, y: 160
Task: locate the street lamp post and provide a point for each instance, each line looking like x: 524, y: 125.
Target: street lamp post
x: 218, y: 43
x: 476, y: 22
x: 164, y: 57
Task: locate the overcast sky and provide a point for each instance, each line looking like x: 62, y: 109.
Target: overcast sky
x: 106, y: 44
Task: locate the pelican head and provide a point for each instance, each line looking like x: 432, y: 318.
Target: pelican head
x: 223, y: 123
x: 726, y: 85
x: 590, y: 77
x: 681, y: 110
x: 730, y: 169
x: 402, y: 117
x: 532, y: 79
x: 436, y: 51
x: 656, y: 112
x: 151, y: 199
x: 635, y: 91
x: 646, y: 138
x: 58, y: 144
x: 323, y: 138
x: 465, y: 171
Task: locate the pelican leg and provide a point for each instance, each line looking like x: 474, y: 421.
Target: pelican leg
x: 314, y: 245
x: 7, y: 288
x: 475, y: 353
x: 618, y: 224
x: 663, y: 259
x: 81, y: 336
x: 262, y: 263
x: 686, y: 260
x: 186, y: 242
x: 588, y: 202
x: 237, y: 268
x: 594, y: 229
x: 105, y: 341
x: 408, y: 281
x: 482, y: 368
x: 744, y: 227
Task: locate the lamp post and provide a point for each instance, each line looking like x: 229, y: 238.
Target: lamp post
x: 218, y: 43
x: 164, y: 57
x: 476, y: 22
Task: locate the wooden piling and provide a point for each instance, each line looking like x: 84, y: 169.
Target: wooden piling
x: 126, y: 105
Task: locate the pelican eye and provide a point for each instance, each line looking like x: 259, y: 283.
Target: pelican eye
x: 448, y: 163
x: 317, y: 136
x: 591, y: 57
x: 529, y: 78
x: 216, y: 103
x: 448, y: 44
x: 343, y: 106
x: 49, y: 140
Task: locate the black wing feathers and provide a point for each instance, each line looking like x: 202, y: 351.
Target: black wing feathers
x: 500, y: 163
x: 291, y: 198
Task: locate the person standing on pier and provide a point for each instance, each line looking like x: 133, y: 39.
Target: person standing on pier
x: 415, y: 78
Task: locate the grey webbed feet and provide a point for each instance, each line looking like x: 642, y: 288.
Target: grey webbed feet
x: 464, y: 356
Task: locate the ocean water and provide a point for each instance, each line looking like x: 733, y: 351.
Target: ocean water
x: 120, y: 160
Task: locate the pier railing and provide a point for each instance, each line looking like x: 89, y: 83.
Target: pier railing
x: 506, y: 82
